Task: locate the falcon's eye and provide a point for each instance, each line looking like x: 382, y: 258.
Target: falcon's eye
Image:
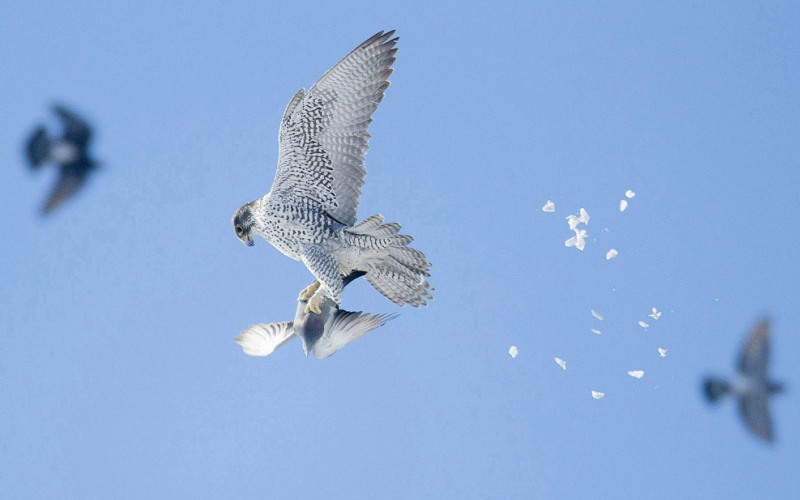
x: 239, y: 230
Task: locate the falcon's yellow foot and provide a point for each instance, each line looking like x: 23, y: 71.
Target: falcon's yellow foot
x: 308, y: 291
x: 313, y: 303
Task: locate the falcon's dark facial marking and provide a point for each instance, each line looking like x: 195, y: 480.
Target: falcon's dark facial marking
x: 242, y: 225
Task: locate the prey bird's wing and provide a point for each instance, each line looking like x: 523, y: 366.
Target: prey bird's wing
x: 323, y: 135
x: 264, y: 338
x: 76, y: 129
x: 755, y: 353
x: 754, y: 408
x: 346, y: 327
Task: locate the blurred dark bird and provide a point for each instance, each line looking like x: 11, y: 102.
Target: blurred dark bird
x: 70, y: 153
x: 751, y: 385
x: 322, y: 334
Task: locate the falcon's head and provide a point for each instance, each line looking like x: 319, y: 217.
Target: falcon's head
x: 243, y: 224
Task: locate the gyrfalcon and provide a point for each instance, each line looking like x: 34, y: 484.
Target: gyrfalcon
x: 70, y: 153
x: 751, y: 385
x: 310, y: 212
x: 322, y: 334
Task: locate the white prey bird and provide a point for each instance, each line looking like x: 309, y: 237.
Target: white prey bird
x: 323, y: 333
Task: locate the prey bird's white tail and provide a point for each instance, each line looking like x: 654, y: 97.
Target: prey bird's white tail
x: 396, y: 270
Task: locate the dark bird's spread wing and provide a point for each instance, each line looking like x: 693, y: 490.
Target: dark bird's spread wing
x: 70, y: 180
x: 76, y: 130
x: 323, y: 136
x: 755, y: 353
x: 754, y: 408
x: 38, y: 147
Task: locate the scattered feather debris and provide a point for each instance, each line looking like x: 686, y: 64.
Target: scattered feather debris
x: 598, y: 394
x: 636, y: 373
x: 644, y: 325
x: 597, y: 315
x: 656, y: 314
x: 611, y: 254
x: 573, y: 222
x: 560, y: 362
x: 596, y: 331
x: 584, y: 216
x: 549, y: 206
x: 629, y: 194
x: 623, y: 204
x: 581, y: 218
x: 513, y: 351
x: 662, y: 352
x: 578, y: 241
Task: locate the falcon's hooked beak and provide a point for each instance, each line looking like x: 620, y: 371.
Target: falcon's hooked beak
x: 242, y: 225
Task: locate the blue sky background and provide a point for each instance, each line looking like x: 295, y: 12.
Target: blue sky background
x: 119, y: 377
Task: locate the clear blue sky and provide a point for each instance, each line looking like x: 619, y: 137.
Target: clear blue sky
x: 119, y: 377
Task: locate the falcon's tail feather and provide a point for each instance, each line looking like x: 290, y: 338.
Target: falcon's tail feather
x: 396, y: 270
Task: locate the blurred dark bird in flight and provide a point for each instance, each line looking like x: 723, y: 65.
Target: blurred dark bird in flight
x: 750, y: 386
x: 70, y: 153
x: 322, y: 334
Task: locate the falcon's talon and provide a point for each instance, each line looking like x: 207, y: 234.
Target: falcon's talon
x: 313, y: 305
x: 308, y: 291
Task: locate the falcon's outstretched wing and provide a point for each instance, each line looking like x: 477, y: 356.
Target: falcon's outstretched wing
x: 264, y: 338
x: 755, y: 353
x: 323, y: 136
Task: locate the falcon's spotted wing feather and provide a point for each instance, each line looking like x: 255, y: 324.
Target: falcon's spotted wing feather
x: 755, y: 353
x: 323, y: 136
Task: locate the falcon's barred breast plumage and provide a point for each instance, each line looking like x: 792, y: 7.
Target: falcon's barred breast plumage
x: 310, y: 212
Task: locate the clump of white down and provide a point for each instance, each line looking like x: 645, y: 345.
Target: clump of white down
x: 579, y: 240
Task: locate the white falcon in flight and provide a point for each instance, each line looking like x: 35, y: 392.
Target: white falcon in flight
x: 310, y: 212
